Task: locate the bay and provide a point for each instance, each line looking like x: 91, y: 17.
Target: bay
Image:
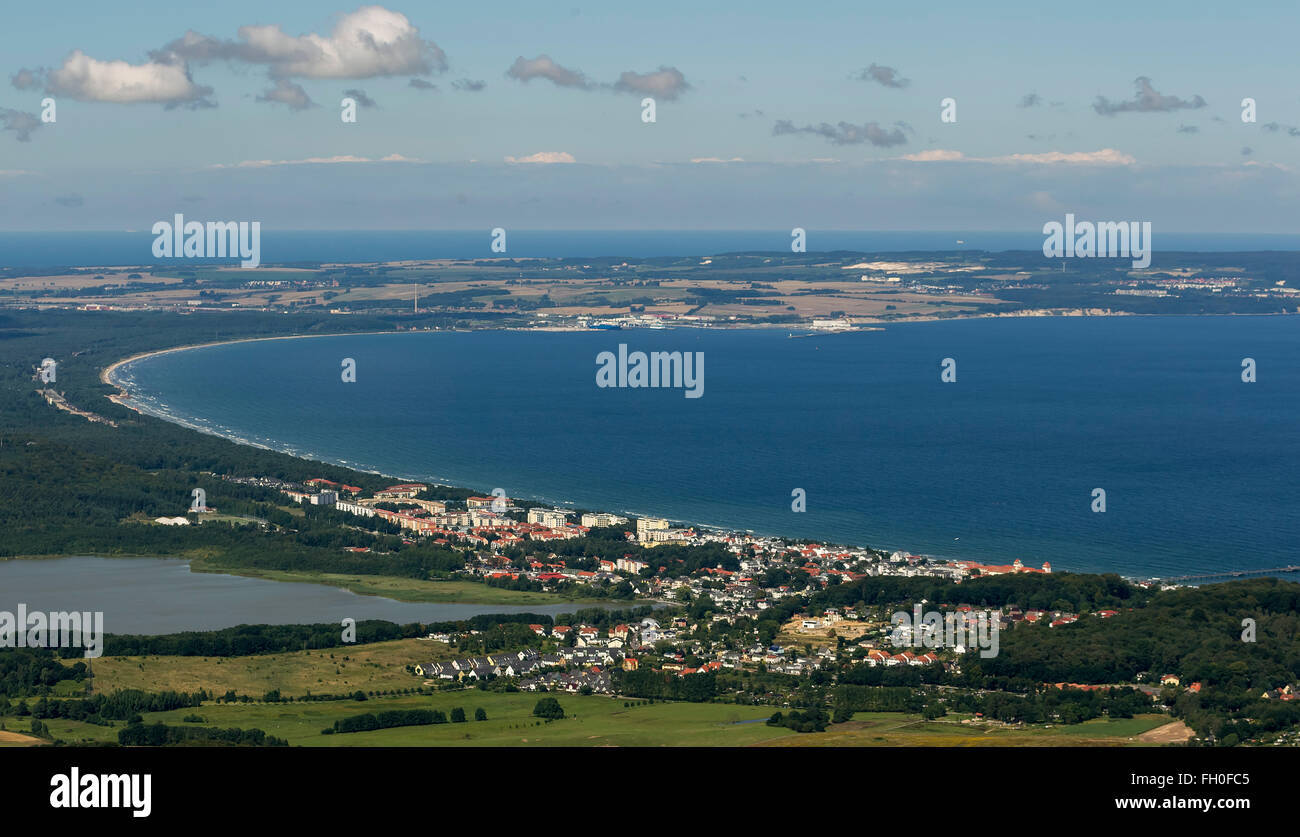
x: 1198, y: 467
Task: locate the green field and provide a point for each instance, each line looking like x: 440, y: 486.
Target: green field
x: 593, y: 721
x: 376, y: 666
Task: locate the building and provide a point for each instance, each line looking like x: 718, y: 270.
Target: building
x: 405, y: 491
x: 355, y: 508
x: 551, y: 518
x: 628, y: 564
x: 649, y: 524
x: 593, y: 520
x: 1001, y: 569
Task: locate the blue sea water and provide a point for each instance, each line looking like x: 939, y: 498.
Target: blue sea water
x: 89, y: 249
x: 1198, y: 467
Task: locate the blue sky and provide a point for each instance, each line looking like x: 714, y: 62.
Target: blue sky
x: 751, y: 84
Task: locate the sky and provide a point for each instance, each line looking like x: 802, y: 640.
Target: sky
x: 767, y: 115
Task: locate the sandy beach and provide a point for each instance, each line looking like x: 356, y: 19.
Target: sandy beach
x: 124, y: 398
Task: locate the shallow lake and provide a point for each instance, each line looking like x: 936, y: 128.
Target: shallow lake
x: 160, y: 595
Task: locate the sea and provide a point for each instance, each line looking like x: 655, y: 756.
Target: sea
x: 1196, y: 468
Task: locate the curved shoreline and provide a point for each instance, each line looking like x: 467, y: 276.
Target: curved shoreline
x: 106, y: 374
x: 123, y: 398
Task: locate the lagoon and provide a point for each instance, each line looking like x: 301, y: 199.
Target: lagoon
x: 162, y: 595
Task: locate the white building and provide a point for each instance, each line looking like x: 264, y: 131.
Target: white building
x: 593, y: 520
x: 551, y: 518
x: 355, y: 508
x: 649, y: 524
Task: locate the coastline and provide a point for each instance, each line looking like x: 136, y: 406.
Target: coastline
x: 122, y: 397
x: 106, y: 374
x: 594, y: 504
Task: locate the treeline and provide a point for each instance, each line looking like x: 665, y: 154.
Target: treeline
x: 119, y: 706
x: 1031, y: 591
x: 247, y: 640
x: 27, y: 671
x: 396, y: 718
x: 664, y: 685
x: 162, y: 735
x: 606, y: 618
x: 34, y: 671
x: 1048, y: 705
x: 1196, y: 633
x: 808, y: 720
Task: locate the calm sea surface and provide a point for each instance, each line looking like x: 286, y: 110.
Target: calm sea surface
x: 1199, y: 468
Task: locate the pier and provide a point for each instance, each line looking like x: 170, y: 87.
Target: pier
x: 1191, y: 579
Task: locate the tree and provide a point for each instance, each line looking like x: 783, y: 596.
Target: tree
x: 458, y: 715
x: 548, y: 708
x: 480, y: 715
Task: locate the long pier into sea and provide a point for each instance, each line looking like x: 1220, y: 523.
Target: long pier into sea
x: 1192, y: 579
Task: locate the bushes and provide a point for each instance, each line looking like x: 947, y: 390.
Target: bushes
x: 811, y: 720
x: 400, y: 718
x: 548, y: 708
x: 161, y: 735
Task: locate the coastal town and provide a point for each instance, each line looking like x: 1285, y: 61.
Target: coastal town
x: 509, y: 543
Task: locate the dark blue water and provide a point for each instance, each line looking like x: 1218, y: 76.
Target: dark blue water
x: 85, y: 249
x: 1199, y: 467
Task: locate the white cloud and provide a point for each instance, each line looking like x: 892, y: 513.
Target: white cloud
x: 934, y: 155
x: 88, y: 79
x: 1106, y: 156
x: 370, y: 42
x: 341, y: 158
x: 1262, y: 164
x: 717, y: 160
x: 544, y: 157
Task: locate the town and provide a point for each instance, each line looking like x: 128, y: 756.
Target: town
x: 734, y: 617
